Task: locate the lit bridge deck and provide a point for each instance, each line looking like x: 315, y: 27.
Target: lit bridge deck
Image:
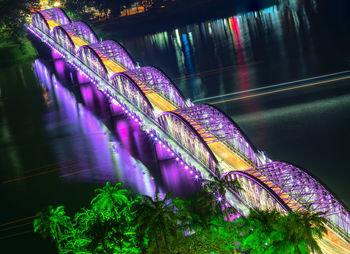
x: 201, y: 137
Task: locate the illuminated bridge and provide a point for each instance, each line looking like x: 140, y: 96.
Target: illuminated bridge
x: 204, y: 139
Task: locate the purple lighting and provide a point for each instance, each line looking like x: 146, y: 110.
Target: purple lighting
x: 186, y: 132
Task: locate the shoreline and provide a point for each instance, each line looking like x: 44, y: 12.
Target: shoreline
x: 157, y: 20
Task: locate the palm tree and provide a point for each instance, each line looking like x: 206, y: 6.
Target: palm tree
x: 264, y: 231
x: 54, y: 222
x: 111, y: 200
x: 256, y: 233
x: 218, y: 186
x: 300, y: 232
x: 160, y: 218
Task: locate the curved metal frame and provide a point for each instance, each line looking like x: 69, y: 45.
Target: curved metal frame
x: 77, y: 29
x: 114, y: 51
x: 39, y: 14
x: 55, y: 14
x: 212, y: 166
x: 216, y: 126
x: 58, y: 38
x: 149, y: 108
x: 305, y: 190
x: 156, y: 80
x: 243, y: 194
x: 104, y: 73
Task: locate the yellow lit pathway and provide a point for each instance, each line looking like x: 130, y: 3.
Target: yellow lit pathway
x: 226, y: 157
x: 112, y: 66
x: 159, y: 103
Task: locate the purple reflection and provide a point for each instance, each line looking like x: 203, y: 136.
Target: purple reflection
x: 60, y: 68
x: 82, y: 78
x: 177, y: 179
x: 96, y: 154
x: 123, y: 130
x: 55, y: 54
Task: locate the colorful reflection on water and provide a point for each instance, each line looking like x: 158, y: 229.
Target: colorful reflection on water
x: 104, y: 145
x: 284, y: 42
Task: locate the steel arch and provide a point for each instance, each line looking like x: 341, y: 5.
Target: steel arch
x: 114, y: 51
x: 127, y: 87
x: 185, y: 134
x: 45, y: 20
x: 61, y: 36
x: 93, y: 60
x: 256, y: 193
x: 215, y: 126
x: 304, y: 192
x: 39, y: 21
x: 156, y: 80
x: 81, y: 30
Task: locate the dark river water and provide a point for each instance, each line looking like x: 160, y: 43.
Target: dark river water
x: 60, y: 139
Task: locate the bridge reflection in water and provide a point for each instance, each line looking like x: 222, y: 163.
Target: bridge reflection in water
x: 120, y: 150
x: 202, y: 138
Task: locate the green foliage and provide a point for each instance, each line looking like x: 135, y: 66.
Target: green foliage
x: 106, y: 227
x: 54, y: 222
x: 159, y: 220
x: 118, y: 222
x: 270, y: 232
x: 13, y: 15
x: 217, y: 187
x: 14, y: 47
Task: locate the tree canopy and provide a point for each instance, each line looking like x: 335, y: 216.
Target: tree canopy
x: 118, y: 221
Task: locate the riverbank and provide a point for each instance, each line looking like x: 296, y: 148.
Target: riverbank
x: 13, y: 50
x: 169, y: 17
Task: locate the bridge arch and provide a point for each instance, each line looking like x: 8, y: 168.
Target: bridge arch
x: 61, y: 36
x: 186, y: 135
x: 76, y: 33
x: 112, y: 50
x: 160, y: 83
x: 303, y: 191
x: 127, y: 87
x: 255, y: 193
x: 93, y: 60
x: 215, y: 126
x: 46, y: 20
